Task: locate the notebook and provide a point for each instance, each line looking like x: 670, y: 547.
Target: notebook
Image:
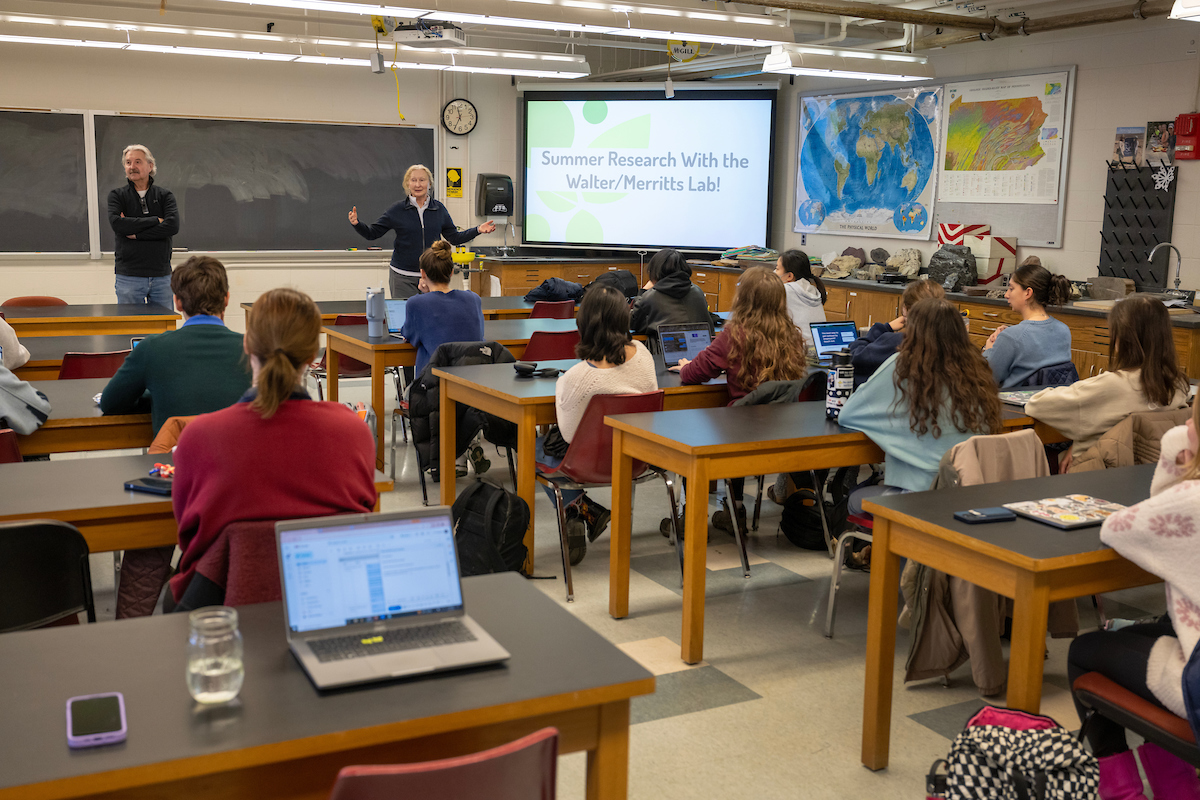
x: 1068, y: 512
x: 1018, y: 398
x: 831, y: 337
x: 394, y: 309
x: 369, y: 597
x: 684, y: 340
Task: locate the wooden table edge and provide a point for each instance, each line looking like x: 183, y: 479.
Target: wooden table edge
x: 466, y: 383
x: 763, y: 445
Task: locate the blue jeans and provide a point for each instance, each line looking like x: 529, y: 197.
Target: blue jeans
x: 156, y: 291
x: 539, y: 455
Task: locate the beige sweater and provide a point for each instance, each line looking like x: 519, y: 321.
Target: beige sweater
x: 577, y: 385
x: 1086, y: 409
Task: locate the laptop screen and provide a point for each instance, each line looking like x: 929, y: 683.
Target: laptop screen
x: 395, y: 314
x: 830, y: 337
x: 683, y: 341
x: 364, y: 572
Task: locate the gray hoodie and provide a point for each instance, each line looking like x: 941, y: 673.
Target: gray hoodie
x: 804, y: 305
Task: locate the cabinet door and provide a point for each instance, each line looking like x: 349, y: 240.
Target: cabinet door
x: 1089, y: 363
x: 837, y: 302
x: 881, y: 307
x: 711, y: 284
x: 857, y: 306
x: 727, y: 282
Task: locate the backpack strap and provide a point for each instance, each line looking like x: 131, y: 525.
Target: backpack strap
x: 466, y: 495
x: 489, y: 511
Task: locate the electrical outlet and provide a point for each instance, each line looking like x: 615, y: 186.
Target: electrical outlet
x: 803, y: 239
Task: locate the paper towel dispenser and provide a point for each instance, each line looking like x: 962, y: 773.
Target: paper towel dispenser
x: 493, y: 195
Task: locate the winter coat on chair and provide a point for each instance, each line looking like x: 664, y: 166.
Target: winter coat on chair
x: 424, y: 403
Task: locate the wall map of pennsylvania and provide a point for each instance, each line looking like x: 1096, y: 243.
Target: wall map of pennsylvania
x: 866, y: 163
x: 1001, y: 140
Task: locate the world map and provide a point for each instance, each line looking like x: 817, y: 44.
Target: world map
x: 994, y: 135
x: 866, y: 163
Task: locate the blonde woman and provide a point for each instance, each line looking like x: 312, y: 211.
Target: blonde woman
x: 418, y: 221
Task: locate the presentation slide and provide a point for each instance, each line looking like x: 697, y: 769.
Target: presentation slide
x: 686, y: 172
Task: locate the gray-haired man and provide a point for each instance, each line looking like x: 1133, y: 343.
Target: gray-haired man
x: 144, y: 218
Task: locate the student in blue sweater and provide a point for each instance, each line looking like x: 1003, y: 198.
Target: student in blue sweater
x: 935, y: 392
x: 442, y: 314
x: 868, y: 352
x: 1016, y: 353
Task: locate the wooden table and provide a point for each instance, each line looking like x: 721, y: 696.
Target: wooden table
x: 493, y: 308
x: 83, y: 320
x: 1032, y: 563
x: 90, y: 494
x: 388, y: 351
x: 282, y: 738
x: 76, y: 423
x: 46, y: 353
x: 529, y: 402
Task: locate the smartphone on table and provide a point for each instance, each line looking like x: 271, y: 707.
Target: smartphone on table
x: 96, y: 719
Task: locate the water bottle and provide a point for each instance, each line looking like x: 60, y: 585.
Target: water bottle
x: 375, y: 313
x: 840, y: 384
x: 214, y: 662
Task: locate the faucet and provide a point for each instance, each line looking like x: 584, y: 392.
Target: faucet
x: 1178, y: 265
x: 504, y: 248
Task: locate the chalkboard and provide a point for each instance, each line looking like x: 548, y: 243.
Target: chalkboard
x: 245, y: 185
x: 43, y: 182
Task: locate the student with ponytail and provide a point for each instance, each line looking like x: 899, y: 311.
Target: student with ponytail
x: 1016, y: 353
x: 442, y: 314
x: 275, y: 454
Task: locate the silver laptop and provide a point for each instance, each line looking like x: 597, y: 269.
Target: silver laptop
x: 832, y: 337
x: 394, y: 311
x: 682, y: 340
x: 368, y: 597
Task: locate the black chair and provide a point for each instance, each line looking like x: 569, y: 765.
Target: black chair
x: 1063, y: 374
x: 44, y: 575
x: 1153, y: 723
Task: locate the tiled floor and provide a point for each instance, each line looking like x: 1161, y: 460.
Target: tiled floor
x: 775, y: 710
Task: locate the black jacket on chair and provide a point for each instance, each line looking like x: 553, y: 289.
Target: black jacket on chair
x: 424, y: 403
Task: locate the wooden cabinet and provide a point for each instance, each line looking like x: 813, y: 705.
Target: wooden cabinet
x: 728, y: 283
x: 1089, y: 363
x: 518, y: 277
x: 867, y: 307
x: 836, y: 303
x: 710, y: 282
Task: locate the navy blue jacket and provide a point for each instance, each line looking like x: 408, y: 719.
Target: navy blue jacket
x: 868, y: 353
x: 411, y: 239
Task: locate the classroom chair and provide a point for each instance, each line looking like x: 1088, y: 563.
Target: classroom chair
x: 46, y: 579
x: 588, y: 464
x: 522, y: 770
x: 91, y: 365
x: 347, y: 367
x: 550, y: 346
x: 553, y: 309
x: 1152, y: 722
x: 10, y: 451
x: 29, y: 301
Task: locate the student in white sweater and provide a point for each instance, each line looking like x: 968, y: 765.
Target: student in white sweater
x: 14, y: 353
x: 805, y: 292
x: 612, y: 363
x: 1159, y: 535
x: 1143, y: 375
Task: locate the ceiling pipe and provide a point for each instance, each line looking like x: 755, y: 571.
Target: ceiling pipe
x: 834, y: 39
x: 1028, y: 27
x: 885, y: 13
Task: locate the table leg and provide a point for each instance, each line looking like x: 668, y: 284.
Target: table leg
x: 331, y: 370
x: 608, y: 764
x: 1027, y: 657
x: 620, y: 526
x: 881, y: 648
x: 378, y: 382
x: 695, y: 544
x: 527, y: 485
x: 447, y: 432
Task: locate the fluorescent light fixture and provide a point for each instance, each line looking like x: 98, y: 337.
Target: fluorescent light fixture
x: 1186, y: 10
x: 834, y: 62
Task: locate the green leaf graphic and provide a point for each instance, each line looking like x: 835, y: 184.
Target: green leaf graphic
x: 555, y: 201
x: 594, y: 111
x: 584, y: 227
x: 631, y: 133
x: 550, y: 124
x: 537, y: 228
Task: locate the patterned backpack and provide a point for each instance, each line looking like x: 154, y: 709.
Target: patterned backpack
x: 1012, y: 755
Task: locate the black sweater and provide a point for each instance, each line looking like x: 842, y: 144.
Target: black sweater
x: 411, y: 236
x: 148, y: 254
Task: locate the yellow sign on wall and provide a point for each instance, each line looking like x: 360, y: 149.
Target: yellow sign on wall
x: 453, y: 182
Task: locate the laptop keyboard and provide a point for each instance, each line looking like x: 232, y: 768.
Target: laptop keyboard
x: 343, y: 647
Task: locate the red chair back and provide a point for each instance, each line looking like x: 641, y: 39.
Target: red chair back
x: 349, y: 367
x: 34, y: 300
x: 550, y: 346
x: 10, y: 453
x: 521, y: 770
x: 553, y: 309
x: 589, y: 456
x: 91, y: 365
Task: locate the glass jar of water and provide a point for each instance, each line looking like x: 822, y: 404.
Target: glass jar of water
x: 214, y: 665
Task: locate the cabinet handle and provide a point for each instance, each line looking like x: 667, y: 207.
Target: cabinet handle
x: 847, y: 309
x: 990, y: 314
x: 986, y: 328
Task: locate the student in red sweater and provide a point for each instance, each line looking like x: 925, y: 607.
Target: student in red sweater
x: 275, y: 454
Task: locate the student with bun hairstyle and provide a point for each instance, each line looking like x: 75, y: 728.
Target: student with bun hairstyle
x: 1038, y: 340
x: 1143, y: 375
x: 671, y: 297
x: 275, y: 454
x: 442, y: 314
x: 879, y: 344
x: 805, y: 292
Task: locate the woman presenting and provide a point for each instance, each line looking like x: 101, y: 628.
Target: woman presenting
x: 418, y: 221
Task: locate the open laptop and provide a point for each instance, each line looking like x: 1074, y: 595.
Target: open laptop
x: 394, y: 310
x: 831, y: 337
x: 682, y: 340
x: 368, y: 597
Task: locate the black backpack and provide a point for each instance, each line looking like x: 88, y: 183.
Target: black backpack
x: 801, y: 522
x: 489, y: 530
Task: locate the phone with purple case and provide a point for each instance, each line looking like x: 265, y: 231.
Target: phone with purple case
x: 96, y: 719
